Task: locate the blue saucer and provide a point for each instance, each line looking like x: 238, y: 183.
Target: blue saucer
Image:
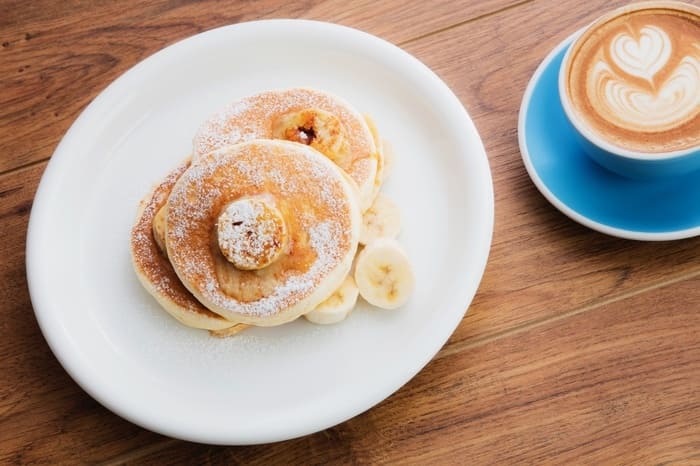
x: 663, y: 209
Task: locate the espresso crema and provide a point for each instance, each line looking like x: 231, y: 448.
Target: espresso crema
x: 634, y: 78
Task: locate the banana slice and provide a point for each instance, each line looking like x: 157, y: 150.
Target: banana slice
x: 379, y: 154
x: 316, y: 128
x: 383, y: 274
x: 338, y: 306
x: 159, y: 228
x: 360, y: 247
x: 389, y: 158
x: 381, y: 220
x: 228, y: 332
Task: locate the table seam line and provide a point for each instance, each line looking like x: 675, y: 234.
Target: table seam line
x: 458, y: 347
x: 11, y: 171
x: 402, y: 43
x: 462, y: 23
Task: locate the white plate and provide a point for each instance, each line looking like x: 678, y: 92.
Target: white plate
x: 266, y: 384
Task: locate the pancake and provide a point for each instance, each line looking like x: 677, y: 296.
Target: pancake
x: 154, y: 270
x: 262, y: 232
x: 323, y: 121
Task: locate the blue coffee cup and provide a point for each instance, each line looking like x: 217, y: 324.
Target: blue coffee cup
x: 621, y: 160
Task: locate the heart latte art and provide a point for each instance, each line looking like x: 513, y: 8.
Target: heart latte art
x: 647, y: 106
x: 635, y: 80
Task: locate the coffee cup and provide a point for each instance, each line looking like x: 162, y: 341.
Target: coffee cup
x: 630, y: 86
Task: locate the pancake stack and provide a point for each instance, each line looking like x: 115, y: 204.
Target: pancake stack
x: 263, y: 223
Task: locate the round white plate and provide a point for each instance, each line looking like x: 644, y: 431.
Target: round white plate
x: 265, y: 384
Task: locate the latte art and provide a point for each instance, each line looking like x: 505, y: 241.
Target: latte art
x: 634, y: 79
x: 643, y: 58
x: 674, y: 102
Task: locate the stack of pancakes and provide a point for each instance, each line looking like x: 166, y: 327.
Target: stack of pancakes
x: 262, y: 223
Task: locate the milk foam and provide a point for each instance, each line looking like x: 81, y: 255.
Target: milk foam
x: 645, y: 57
x: 676, y: 101
x: 658, y: 106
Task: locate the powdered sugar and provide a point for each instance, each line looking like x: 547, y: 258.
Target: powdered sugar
x: 252, y: 118
x: 327, y: 255
x: 260, y: 168
x: 250, y: 233
x: 154, y: 270
x: 235, y: 222
x: 145, y: 254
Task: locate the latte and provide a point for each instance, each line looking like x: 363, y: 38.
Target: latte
x: 633, y: 77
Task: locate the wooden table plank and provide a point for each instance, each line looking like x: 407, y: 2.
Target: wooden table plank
x: 57, y: 56
x: 523, y: 381
x: 575, y: 267
x: 41, y: 407
x: 615, y: 385
x: 542, y: 264
x: 44, y: 415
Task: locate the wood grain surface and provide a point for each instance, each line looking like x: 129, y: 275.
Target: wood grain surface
x: 578, y: 348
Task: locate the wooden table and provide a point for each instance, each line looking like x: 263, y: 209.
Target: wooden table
x: 578, y: 348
